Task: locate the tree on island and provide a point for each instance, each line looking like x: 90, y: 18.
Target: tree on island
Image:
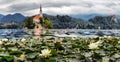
x: 45, y: 22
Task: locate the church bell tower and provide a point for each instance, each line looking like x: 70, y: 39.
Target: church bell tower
x: 41, y: 11
x: 38, y: 27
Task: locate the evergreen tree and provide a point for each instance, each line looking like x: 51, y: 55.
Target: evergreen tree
x: 47, y: 23
x: 29, y: 23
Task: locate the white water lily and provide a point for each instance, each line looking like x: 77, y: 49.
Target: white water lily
x: 23, y: 40
x: 93, y: 46
x: 5, y: 39
x: 116, y: 56
x: 87, y: 54
x: 105, y: 59
x: 46, y: 53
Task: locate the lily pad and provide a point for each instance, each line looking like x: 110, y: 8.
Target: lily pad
x: 31, y: 55
x: 15, y: 53
x: 6, y: 58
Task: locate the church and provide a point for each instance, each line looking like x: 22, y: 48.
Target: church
x: 38, y: 26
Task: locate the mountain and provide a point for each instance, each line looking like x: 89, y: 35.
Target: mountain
x: 89, y: 16
x: 86, y: 21
x: 61, y: 22
x: 118, y: 16
x: 65, y: 21
x: 95, y: 21
x: 13, y: 17
x: 1, y: 16
x: 107, y: 22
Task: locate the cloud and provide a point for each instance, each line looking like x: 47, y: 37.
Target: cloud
x: 54, y: 7
x: 22, y: 7
x: 7, y: 1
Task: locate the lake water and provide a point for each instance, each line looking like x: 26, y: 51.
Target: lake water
x: 89, y: 32
x: 15, y: 33
x: 21, y: 33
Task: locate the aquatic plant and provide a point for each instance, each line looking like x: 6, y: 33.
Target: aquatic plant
x: 53, y: 49
x: 45, y: 53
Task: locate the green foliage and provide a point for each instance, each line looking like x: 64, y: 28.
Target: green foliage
x: 6, y: 59
x: 81, y: 57
x: 65, y: 21
x: 96, y: 56
x: 110, y: 48
x: 47, y: 23
x: 54, y: 52
x: 29, y: 23
x: 48, y: 60
x: 105, y: 22
x: 78, y: 49
x: 59, y: 46
x: 15, y: 53
x: 44, y: 21
x: 31, y: 56
x: 28, y: 50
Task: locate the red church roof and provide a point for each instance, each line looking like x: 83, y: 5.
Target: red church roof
x: 37, y: 16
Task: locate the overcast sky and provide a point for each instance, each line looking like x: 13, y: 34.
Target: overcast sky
x: 54, y: 7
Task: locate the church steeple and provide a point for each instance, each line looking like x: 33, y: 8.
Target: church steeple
x: 40, y: 10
